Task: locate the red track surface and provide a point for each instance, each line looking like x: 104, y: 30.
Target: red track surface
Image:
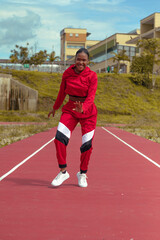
x: 122, y: 200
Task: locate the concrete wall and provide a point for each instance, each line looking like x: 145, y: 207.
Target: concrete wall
x: 123, y: 38
x: 16, y: 96
x: 5, y: 86
x: 90, y: 43
x: 157, y: 20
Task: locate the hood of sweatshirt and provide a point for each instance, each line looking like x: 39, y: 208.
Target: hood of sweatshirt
x: 84, y: 73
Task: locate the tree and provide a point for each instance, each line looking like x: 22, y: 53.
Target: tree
x: 25, y: 55
x: 150, y: 47
x: 20, y: 54
x: 149, y: 58
x: 39, y: 58
x: 15, y: 55
x: 121, y: 55
x: 52, y: 57
x: 142, y: 64
x: 141, y: 67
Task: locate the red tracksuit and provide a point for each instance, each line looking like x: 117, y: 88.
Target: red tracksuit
x: 77, y: 85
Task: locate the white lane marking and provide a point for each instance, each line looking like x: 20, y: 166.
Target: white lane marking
x: 25, y: 160
x: 149, y: 159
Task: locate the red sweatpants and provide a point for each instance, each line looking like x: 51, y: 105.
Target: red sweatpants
x: 68, y: 122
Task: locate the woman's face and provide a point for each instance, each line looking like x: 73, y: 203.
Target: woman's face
x: 81, y: 62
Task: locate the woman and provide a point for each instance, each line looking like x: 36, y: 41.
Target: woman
x: 80, y: 83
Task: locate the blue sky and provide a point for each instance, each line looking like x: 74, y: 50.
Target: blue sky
x: 39, y: 22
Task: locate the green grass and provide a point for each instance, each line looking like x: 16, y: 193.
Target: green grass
x: 119, y: 101
x: 13, y: 133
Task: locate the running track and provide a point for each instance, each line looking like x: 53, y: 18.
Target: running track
x: 122, y: 201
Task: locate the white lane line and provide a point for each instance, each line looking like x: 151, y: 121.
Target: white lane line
x: 25, y: 160
x: 149, y: 159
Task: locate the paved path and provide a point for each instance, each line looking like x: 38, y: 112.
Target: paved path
x: 122, y: 201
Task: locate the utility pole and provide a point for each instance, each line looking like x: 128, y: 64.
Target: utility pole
x: 106, y: 54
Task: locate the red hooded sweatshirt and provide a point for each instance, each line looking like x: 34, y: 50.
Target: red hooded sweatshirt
x: 80, y: 85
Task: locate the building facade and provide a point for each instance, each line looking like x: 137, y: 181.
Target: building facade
x: 103, y: 52
x: 72, y: 39
x: 150, y: 26
x: 149, y: 29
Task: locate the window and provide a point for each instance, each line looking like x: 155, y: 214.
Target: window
x: 132, y: 54
x: 132, y: 49
x: 77, y: 35
x: 120, y: 47
x: 71, y: 34
x: 69, y: 56
x: 126, y: 48
x: 74, y: 46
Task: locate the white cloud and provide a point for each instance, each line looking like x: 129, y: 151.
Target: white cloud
x: 21, y: 2
x: 99, y: 29
x: 10, y: 12
x: 43, y: 26
x: 62, y: 2
x: 106, y: 2
x: 47, y: 32
x: 115, y: 9
x: 17, y: 29
x: 41, y: 21
x: 46, y: 2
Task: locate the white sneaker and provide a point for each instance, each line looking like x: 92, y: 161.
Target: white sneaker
x: 59, y: 179
x: 82, y: 179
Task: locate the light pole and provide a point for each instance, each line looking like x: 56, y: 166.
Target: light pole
x: 106, y: 54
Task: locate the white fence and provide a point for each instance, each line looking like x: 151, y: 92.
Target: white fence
x: 40, y: 68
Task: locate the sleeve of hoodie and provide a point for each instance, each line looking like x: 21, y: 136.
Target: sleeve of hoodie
x: 61, y: 95
x: 91, y: 92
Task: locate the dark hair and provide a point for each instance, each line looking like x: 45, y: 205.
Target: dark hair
x: 82, y: 50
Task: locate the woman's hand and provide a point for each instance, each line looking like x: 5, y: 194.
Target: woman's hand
x: 78, y: 107
x: 51, y: 112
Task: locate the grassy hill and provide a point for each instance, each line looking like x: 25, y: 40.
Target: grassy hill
x: 118, y: 99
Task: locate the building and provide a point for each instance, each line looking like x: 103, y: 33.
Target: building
x: 149, y: 28
x: 72, y: 39
x: 102, y: 53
